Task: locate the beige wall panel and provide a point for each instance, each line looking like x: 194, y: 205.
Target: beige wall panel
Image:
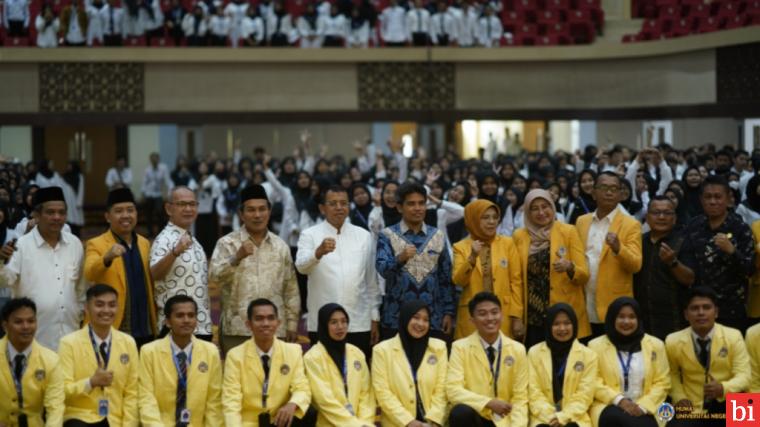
x: 686, y: 132
x: 683, y: 79
x: 620, y: 132
x: 250, y: 87
x: 19, y: 92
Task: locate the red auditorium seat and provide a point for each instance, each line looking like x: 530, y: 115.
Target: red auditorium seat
x: 134, y: 42
x: 753, y: 5
x: 652, y: 29
x: 595, y: 10
x: 708, y: 25
x: 526, y: 35
x: 557, y: 4
x: 699, y: 10
x: 162, y: 42
x: 16, y: 42
x: 661, y: 3
x: 670, y: 12
x: 511, y: 20
x: 681, y: 27
x: 581, y: 26
x: 588, y: 4
x: 561, y: 30
x: 737, y: 21
x: 547, y: 18
x: 527, y: 8
x: 727, y: 10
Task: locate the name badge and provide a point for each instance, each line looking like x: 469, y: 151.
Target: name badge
x: 350, y: 409
x: 184, y: 416
x: 103, y: 407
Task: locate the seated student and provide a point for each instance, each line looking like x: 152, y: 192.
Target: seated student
x: 34, y: 382
x: 414, y: 393
x: 338, y: 374
x: 487, y: 381
x: 707, y: 361
x: 563, y: 373
x: 753, y: 348
x: 191, y: 393
x: 100, y: 367
x: 635, y: 375
x: 254, y: 393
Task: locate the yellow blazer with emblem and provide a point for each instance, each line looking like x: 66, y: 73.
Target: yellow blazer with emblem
x: 469, y: 380
x: 615, y: 275
x: 158, y: 385
x: 656, y: 375
x: 562, y: 287
x: 753, y: 348
x: 507, y: 281
x: 394, y: 385
x: 78, y: 363
x: 753, y: 302
x: 729, y: 364
x: 244, y: 379
x: 115, y: 275
x: 328, y: 393
x: 578, y: 387
x: 41, y: 384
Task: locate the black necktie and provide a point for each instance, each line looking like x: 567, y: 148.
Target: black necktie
x: 419, y: 21
x: 104, y: 354
x: 111, y: 32
x: 704, y: 353
x: 491, y: 355
x: 181, y: 387
x: 265, y: 365
x: 18, y: 372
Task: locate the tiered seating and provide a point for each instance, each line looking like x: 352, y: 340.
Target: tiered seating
x: 552, y: 22
x: 678, y: 18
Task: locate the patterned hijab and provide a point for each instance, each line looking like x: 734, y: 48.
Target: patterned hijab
x: 472, y: 213
x: 540, y: 237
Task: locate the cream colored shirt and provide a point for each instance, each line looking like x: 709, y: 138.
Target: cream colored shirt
x: 597, y: 234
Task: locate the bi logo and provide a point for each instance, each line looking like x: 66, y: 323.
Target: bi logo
x: 742, y: 409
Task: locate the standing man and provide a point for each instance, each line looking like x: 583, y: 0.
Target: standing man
x: 178, y: 263
x: 413, y: 258
x: 100, y: 367
x: 180, y: 376
x: 119, y: 258
x: 613, y: 248
x: 156, y: 181
x: 34, y: 383
x: 264, y: 378
x: 253, y: 263
x: 662, y: 284
x: 724, y: 252
x: 119, y: 176
x: 337, y: 257
x: 46, y: 265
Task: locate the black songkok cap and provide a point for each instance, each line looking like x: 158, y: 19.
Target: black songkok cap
x: 48, y: 194
x: 119, y: 195
x: 253, y: 192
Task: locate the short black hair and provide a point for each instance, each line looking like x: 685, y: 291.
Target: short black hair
x: 16, y: 304
x: 178, y: 299
x: 607, y: 173
x: 659, y: 198
x: 702, y: 292
x: 718, y: 180
x: 332, y: 189
x: 260, y: 302
x: 99, y: 289
x: 481, y: 297
x: 408, y: 188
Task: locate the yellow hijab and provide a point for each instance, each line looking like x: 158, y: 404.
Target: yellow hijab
x: 472, y: 213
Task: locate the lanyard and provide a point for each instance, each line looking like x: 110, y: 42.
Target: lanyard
x: 182, y: 379
x: 345, y: 375
x: 417, y: 397
x: 96, y: 350
x: 495, y: 373
x: 626, y: 367
x: 561, y: 370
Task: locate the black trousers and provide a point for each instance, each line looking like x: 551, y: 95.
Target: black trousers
x: 303, y: 280
x: 395, y: 44
x: 157, y: 33
x: 79, y: 423
x: 464, y: 416
x: 197, y: 41
x: 359, y: 339
x: 154, y: 210
x: 112, y: 40
x: 443, y: 40
x: 218, y: 40
x: 614, y: 416
x: 333, y: 41
x: 420, y: 39
x: 16, y: 29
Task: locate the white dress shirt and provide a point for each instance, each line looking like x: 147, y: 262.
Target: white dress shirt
x: 310, y: 35
x: 220, y: 26
x: 236, y: 12
x: 635, y: 376
x: 96, y: 25
x: 16, y: 10
x: 113, y: 25
x: 147, y: 23
x: 252, y: 27
x: 47, y: 36
x: 496, y: 346
x: 417, y: 21
x: 12, y: 353
x: 489, y: 31
x: 443, y: 24
x: 115, y: 177
x: 345, y: 276
x: 595, y: 242
x: 334, y: 26
x: 154, y: 179
x: 188, y: 26
x: 188, y: 275
x: 359, y: 36
x: 393, y: 24
x: 468, y: 20
x: 56, y: 288
x: 323, y: 8
x: 188, y: 350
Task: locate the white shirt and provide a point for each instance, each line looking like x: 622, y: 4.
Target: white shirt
x: 12, y: 353
x: 219, y: 26
x: 153, y: 180
x: 188, y: 350
x: 146, y: 23
x: 252, y: 27
x: 346, y: 276
x: 417, y: 21
x: 187, y: 275
x: 358, y: 37
x: 393, y: 24
x: 635, y: 376
x: 595, y: 242
x: 96, y: 25
x: 56, y: 289
x: 467, y: 24
x: 47, y: 36
x: 443, y: 24
x: 496, y: 346
x: 16, y: 10
x: 335, y: 26
x: 98, y: 342
x: 210, y: 191
x: 114, y: 177
x: 323, y: 9
x: 188, y: 26
x: 488, y: 31
x: 75, y: 34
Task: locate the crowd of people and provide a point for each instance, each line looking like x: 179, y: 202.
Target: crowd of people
x: 608, y: 287
x: 278, y: 23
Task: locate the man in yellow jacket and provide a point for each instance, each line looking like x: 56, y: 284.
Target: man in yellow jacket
x: 119, y: 258
x: 613, y: 248
x: 30, y: 378
x: 707, y: 361
x: 487, y: 380
x: 180, y: 376
x: 753, y: 348
x: 264, y: 378
x: 100, y: 367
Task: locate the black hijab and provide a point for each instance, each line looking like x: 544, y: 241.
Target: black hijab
x: 72, y: 176
x: 753, y: 198
x: 336, y: 349
x: 559, y: 350
x: 413, y: 347
x: 391, y: 216
x: 628, y: 343
x: 693, y: 202
x: 360, y: 214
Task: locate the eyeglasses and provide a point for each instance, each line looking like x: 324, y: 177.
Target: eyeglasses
x: 605, y: 188
x: 183, y: 205
x: 337, y: 203
x: 662, y: 213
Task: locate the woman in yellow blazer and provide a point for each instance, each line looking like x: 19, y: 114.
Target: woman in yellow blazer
x: 563, y: 373
x: 753, y: 302
x: 627, y: 352
x: 485, y: 261
x: 412, y: 393
x: 753, y: 349
x: 338, y: 374
x: 554, y: 267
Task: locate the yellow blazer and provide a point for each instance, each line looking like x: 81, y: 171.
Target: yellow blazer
x: 753, y: 348
x: 158, y: 385
x: 78, y: 363
x: 42, y: 387
x: 244, y: 379
x: 394, y: 386
x: 581, y: 380
x: 615, y: 275
x: 327, y: 388
x: 115, y: 275
x: 656, y: 375
x: 507, y: 281
x: 753, y: 303
x: 469, y: 380
x: 564, y: 237
x: 729, y: 364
